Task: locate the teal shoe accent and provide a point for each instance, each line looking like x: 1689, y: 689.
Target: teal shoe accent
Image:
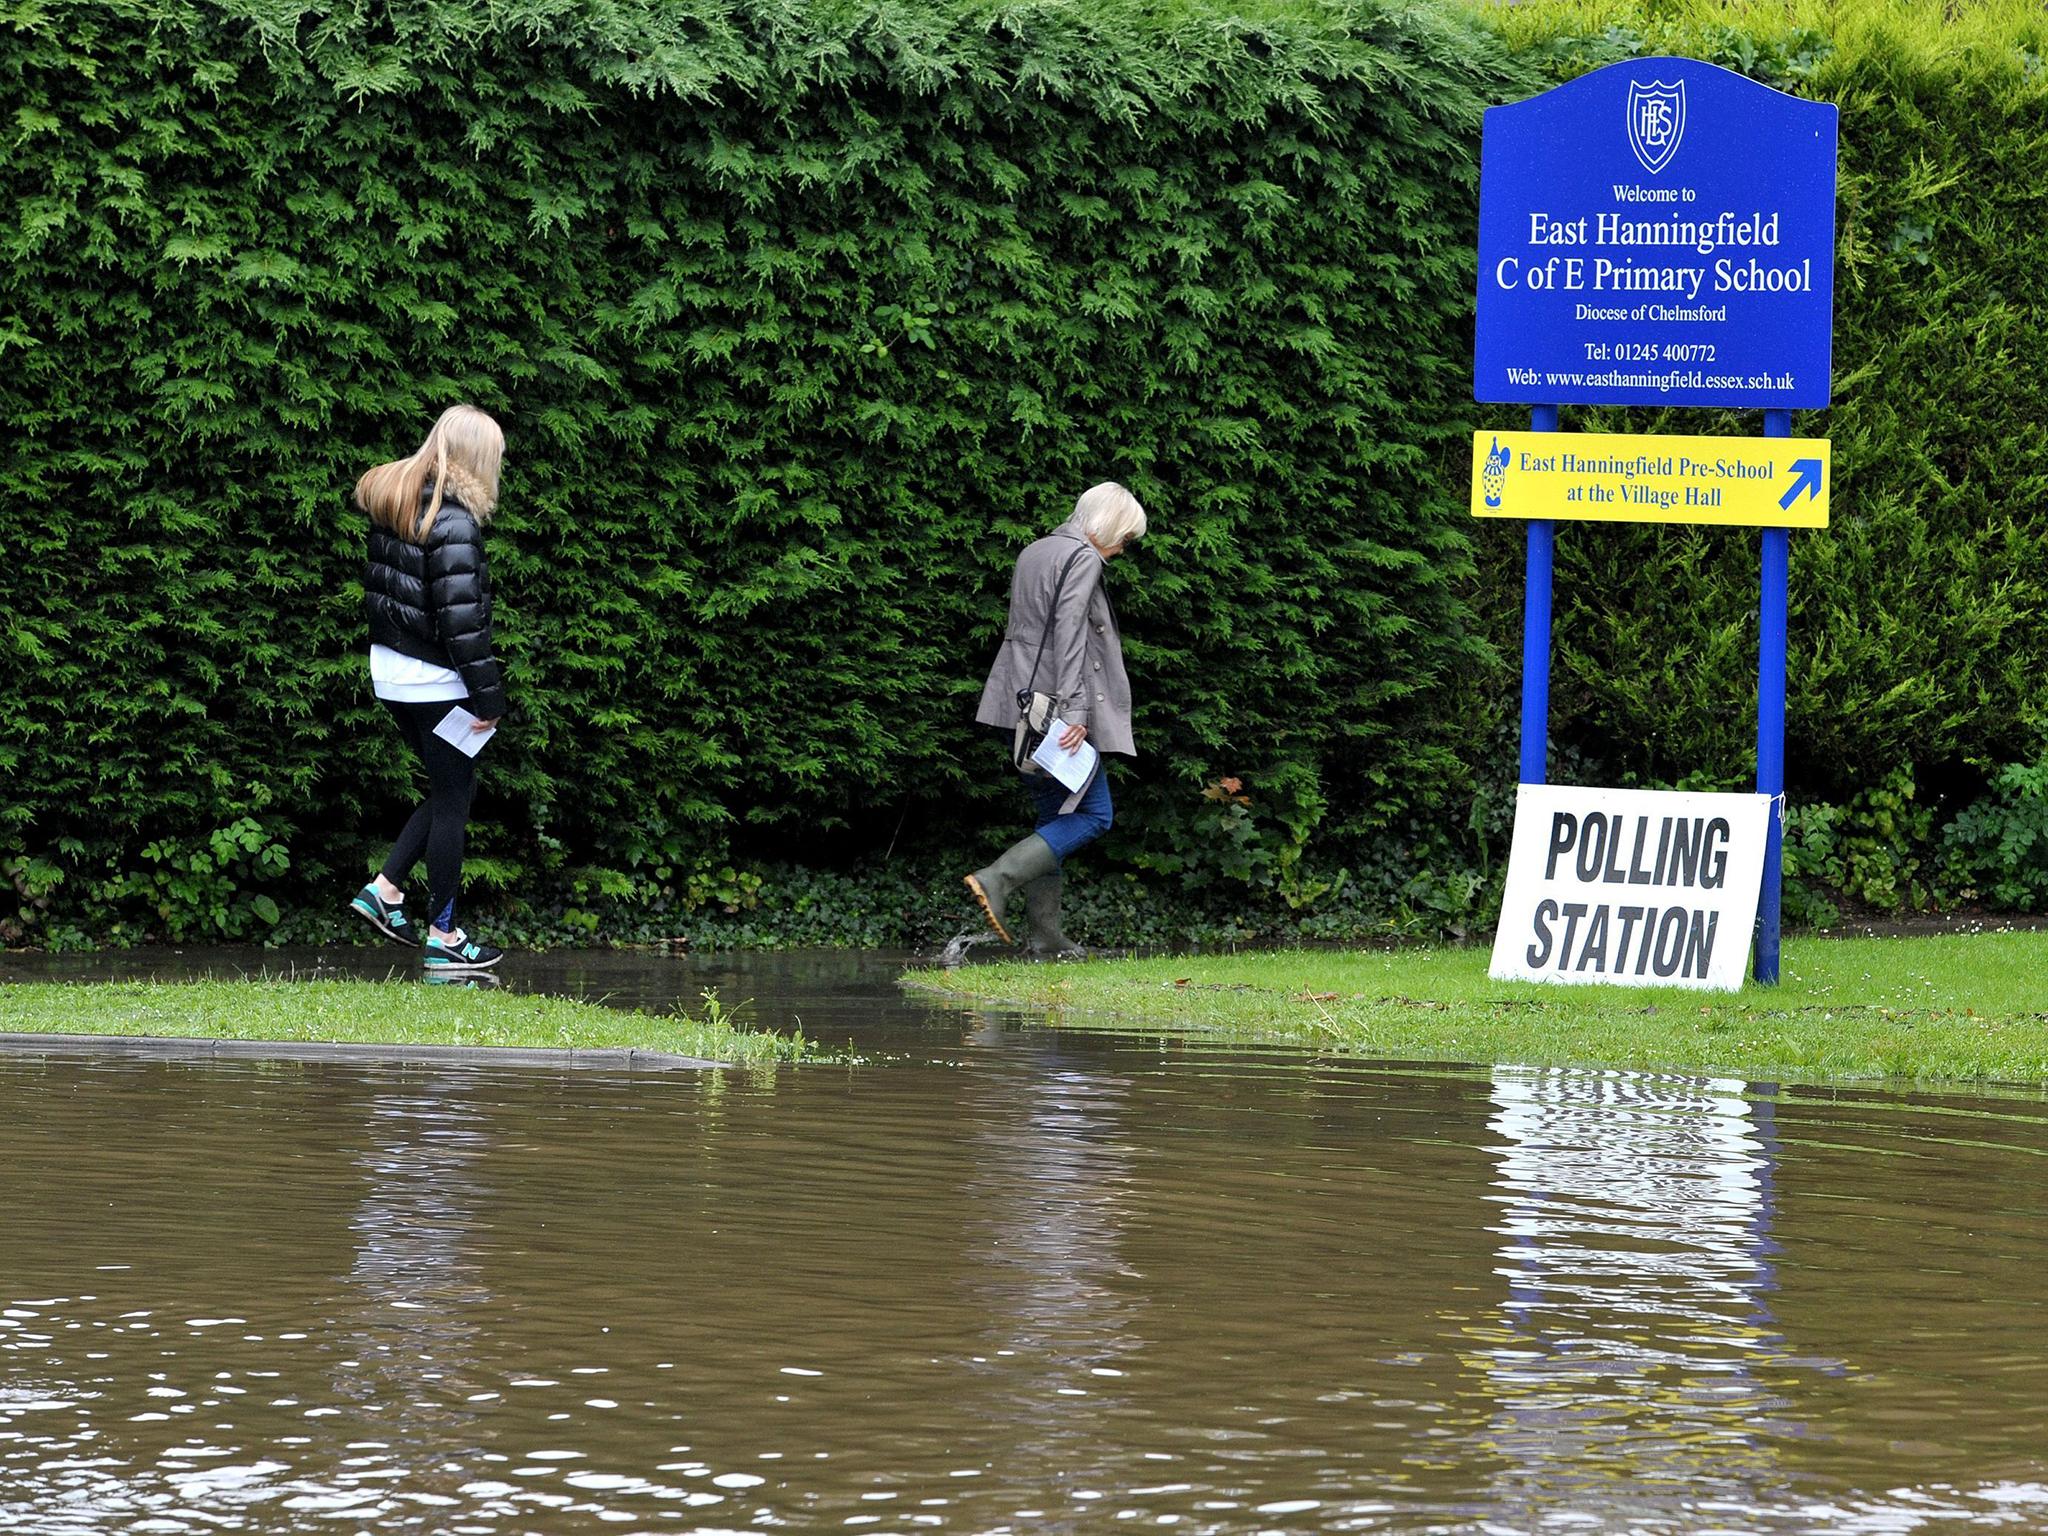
x: 461, y: 953
x: 387, y: 917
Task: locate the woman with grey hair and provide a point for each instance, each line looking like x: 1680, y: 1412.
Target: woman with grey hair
x: 1061, y: 641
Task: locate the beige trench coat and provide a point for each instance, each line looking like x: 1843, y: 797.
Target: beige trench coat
x: 1083, y: 667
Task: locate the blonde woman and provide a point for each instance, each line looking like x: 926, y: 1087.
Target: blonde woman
x: 1062, y: 640
x: 427, y: 594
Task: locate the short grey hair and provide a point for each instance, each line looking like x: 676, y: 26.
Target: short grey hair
x: 1108, y: 514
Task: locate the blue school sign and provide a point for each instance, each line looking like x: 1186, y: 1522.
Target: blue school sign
x: 1658, y: 232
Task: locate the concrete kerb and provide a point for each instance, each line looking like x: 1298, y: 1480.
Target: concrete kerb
x: 176, y: 1048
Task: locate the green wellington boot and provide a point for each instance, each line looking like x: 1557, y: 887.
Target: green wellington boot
x: 1020, y: 864
x: 1042, y: 905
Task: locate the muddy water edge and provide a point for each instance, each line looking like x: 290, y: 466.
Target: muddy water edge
x: 995, y: 1277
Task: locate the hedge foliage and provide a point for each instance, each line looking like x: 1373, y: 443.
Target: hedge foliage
x: 803, y: 317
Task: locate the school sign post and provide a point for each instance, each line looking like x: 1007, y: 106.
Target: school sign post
x: 1657, y: 232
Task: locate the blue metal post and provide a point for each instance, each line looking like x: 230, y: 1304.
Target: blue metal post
x: 1536, y: 629
x: 1770, y: 723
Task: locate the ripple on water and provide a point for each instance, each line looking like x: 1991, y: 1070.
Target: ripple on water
x: 1053, y: 1282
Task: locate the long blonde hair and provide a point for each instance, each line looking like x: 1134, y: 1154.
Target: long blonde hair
x: 462, y: 453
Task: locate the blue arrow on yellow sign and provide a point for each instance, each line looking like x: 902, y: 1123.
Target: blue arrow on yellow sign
x: 1758, y: 482
x: 1807, y: 475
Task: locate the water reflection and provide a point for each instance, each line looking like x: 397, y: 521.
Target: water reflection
x: 1636, y: 1226
x: 1050, y: 1170
x: 408, y: 1324
x: 469, y: 981
x: 1026, y: 1281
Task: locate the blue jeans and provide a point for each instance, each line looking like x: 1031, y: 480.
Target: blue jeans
x: 1080, y: 826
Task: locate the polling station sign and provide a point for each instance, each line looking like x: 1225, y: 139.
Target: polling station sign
x: 1631, y: 887
x: 1657, y: 232
x: 1754, y: 482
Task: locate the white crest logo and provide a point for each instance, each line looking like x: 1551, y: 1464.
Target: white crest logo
x: 1656, y: 122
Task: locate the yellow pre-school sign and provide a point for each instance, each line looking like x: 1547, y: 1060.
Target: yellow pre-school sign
x: 1760, y: 482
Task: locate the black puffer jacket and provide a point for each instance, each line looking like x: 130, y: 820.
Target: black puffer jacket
x: 432, y: 602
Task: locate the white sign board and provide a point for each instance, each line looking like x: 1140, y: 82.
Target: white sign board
x: 1631, y: 887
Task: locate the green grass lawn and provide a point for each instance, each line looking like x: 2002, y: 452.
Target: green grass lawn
x: 373, y: 1012
x: 1970, y: 1007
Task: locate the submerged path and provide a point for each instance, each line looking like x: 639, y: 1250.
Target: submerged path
x: 625, y: 1059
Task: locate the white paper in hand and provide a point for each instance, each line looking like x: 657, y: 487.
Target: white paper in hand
x: 1072, y: 769
x: 458, y: 729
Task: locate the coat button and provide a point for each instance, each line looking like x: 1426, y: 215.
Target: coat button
x: 1098, y: 698
x: 1098, y: 666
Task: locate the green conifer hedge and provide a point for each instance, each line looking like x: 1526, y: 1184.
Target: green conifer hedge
x: 803, y: 317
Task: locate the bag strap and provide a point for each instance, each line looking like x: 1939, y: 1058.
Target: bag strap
x: 1052, y: 615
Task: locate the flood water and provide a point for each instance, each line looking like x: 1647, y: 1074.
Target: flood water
x: 997, y: 1278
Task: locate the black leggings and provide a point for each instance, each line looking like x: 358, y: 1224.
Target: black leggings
x: 441, y: 824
